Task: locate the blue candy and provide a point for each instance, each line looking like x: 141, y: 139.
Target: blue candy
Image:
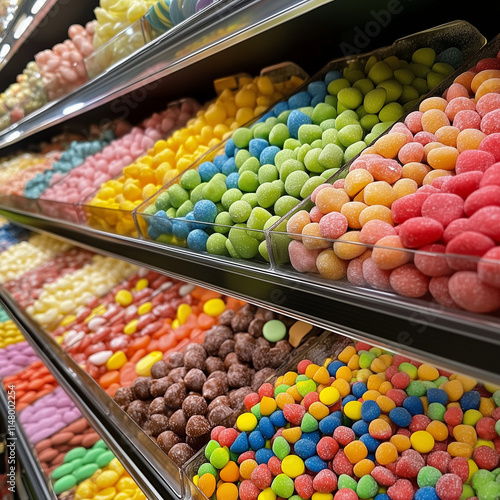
x: 180, y: 228
x: 328, y: 424
x: 382, y: 496
x: 348, y: 398
x: 470, y: 401
x: 333, y: 367
x: 219, y: 160
x: 278, y: 418
x: 317, y: 88
x: 240, y: 444
x: 452, y: 56
x: 426, y: 493
x: 332, y: 75
x: 278, y: 109
x: 358, y: 389
x: 437, y: 396
x: 266, y: 428
x: 315, y: 464
x: 314, y: 436
x: 256, y: 440
x: 153, y: 233
x: 317, y: 99
x: 299, y: 100
x: 207, y: 170
x: 161, y: 223
x: 256, y: 146
x: 197, y: 240
x: 400, y: 416
x: 360, y: 427
x: 268, y: 154
x: 304, y: 448
x: 229, y: 148
x: 413, y: 405
x: 370, y: 410
x: 194, y: 225
x: 295, y: 120
x: 370, y: 442
x: 263, y: 455
x: 205, y: 211
x: 232, y: 180
x: 229, y: 166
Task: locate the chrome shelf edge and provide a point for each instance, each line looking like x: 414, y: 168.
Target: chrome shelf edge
x: 424, y: 332
x: 24, y: 455
x: 222, y: 28
x: 135, y: 450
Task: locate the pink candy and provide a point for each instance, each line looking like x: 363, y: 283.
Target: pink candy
x: 420, y: 231
x: 471, y: 294
x: 443, y: 207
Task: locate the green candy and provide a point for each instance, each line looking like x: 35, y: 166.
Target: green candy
x: 239, y: 211
x: 393, y: 89
x: 410, y: 369
x: 381, y: 127
x: 489, y: 491
x: 64, y: 484
x: 264, y: 251
x: 467, y: 492
x: 409, y: 94
x: 285, y: 204
x: 197, y: 193
x: 92, y: 456
x: 420, y: 85
x: 364, y: 85
x: 289, y: 166
x: 420, y: 70
x: 311, y: 160
x: 443, y: 68
x: 497, y: 427
x: 241, y: 157
x: 367, y: 487
x: 104, y: 459
x: 284, y: 155
x: 262, y: 131
x: 327, y: 174
x: 302, y: 151
x: 230, y: 196
x: 216, y: 244
x: 306, y: 386
x: 267, y: 194
x: 436, y: 411
x: 354, y: 75
x: 99, y: 444
x: 151, y: 209
x: 283, y: 116
x: 248, y: 182
x: 272, y: 220
x: 425, y: 56
x: 348, y: 117
x: 274, y: 330
x: 331, y: 156
x: 214, y: 190
x: 379, y: 72
x: 328, y: 124
x: 256, y: 411
x: 404, y: 76
x: 281, y: 448
x: 348, y: 482
x: 375, y: 99
x: 290, y: 143
x: 185, y: 208
x: 242, y: 137
x: 440, y: 381
x: 351, y: 97
x: 318, y: 143
x: 258, y: 218
x: 330, y: 136
x: 434, y: 79
x: 210, y: 447
x: 372, y: 60
x: 361, y: 111
x: 482, y: 477
x: 252, y: 164
x: 337, y: 85
x: 322, y: 112
x: 225, y: 221
x: 278, y: 135
x: 309, y: 423
x: 282, y: 486
x: 232, y: 252
x: 496, y: 397
x: 281, y: 185
x: 163, y: 201
x: 416, y: 388
x: 353, y: 150
x: 307, y: 110
x: 86, y: 471
x: 350, y: 134
x: 63, y: 470
x: 309, y: 133
x: 428, y: 476
x: 190, y: 179
x: 331, y: 100
x: 207, y: 468
x: 219, y: 458
x: 301, y: 378
x: 281, y: 388
x: 250, y: 198
x: 245, y: 245
x: 365, y: 359
x: 178, y: 195
x: 78, y: 452
x: 310, y: 186
x: 295, y: 181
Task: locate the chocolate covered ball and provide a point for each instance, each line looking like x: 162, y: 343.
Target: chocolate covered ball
x: 177, y: 423
x: 260, y: 357
x: 159, y: 386
x: 237, y: 396
x: 175, y: 395
x: 215, y: 337
x: 214, y: 387
x: 158, y: 424
x: 194, y: 380
x: 124, y: 396
x: 160, y: 369
x: 138, y: 411
x: 197, y: 426
x: 180, y: 453
x: 226, y: 317
x: 239, y: 376
x: 194, y: 405
x: 157, y: 406
x: 177, y: 374
x: 213, y: 364
x: 230, y: 359
x: 219, y: 400
x: 262, y: 376
x: 255, y: 327
x: 175, y: 360
x: 244, y: 347
x: 241, y: 321
x: 141, y: 387
x: 226, y: 347
x: 218, y: 414
x: 167, y: 439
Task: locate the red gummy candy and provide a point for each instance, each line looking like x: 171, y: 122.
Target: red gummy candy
x: 468, y: 243
x: 462, y: 185
x: 487, y: 221
x: 492, y: 176
x: 471, y: 294
x: 453, y: 416
x: 400, y: 380
x: 454, y: 228
x: 304, y: 486
x: 309, y: 399
x: 443, y: 207
x: 456, y: 90
x: 490, y: 124
x: 294, y: 413
x: 247, y: 490
x: 251, y: 400
x: 325, y: 481
x: 460, y: 467
x: 333, y: 225
x: 419, y: 423
x: 472, y: 160
x: 420, y: 231
x: 214, y: 434
x: 345, y: 494
x: 449, y: 487
x: 341, y: 464
x: 302, y: 259
x: 458, y: 104
x: 246, y: 455
x: 355, y: 272
x: 491, y: 144
x: 383, y: 476
x: 485, y: 457
x: 228, y: 436
x: 391, y: 371
x: 376, y: 277
x: 302, y: 365
x: 408, y: 207
x: 439, y: 181
x: 385, y: 169
x: 315, y: 214
x: 402, y: 489
x: 397, y: 395
x: 339, y: 184
x: 408, y: 281
x: 486, y: 196
x: 374, y: 230
x: 267, y: 390
x: 327, y: 447
x: 409, y: 464
x: 414, y: 121
x: 432, y: 265
x: 261, y: 476
x: 467, y: 119
x: 344, y: 435
x: 488, y: 268
x: 274, y: 465
x: 440, y: 460
x: 487, y: 103
x: 424, y: 138
x: 487, y: 63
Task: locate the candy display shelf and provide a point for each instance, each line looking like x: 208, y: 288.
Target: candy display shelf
x: 37, y: 486
x: 144, y: 461
x: 422, y: 330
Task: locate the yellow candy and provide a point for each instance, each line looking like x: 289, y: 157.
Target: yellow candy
x: 374, y: 382
x: 246, y: 422
x: 346, y: 354
x: 487, y: 407
x: 321, y: 496
x: 131, y: 327
x: 289, y: 378
x: 144, y: 308
x: 175, y: 324
x: 183, y: 312
x: 86, y: 489
x: 342, y: 386
x: 293, y: 466
x: 267, y: 494
x: 292, y: 435
x: 143, y: 367
x: 471, y: 417
x: 422, y: 441
x: 139, y: 495
x: 311, y: 370
x: 344, y: 373
x: 473, y: 468
x: 484, y: 442
x: 353, y: 410
x: 329, y: 396
x: 122, y: 496
x: 267, y: 405
x: 106, y: 494
x: 106, y: 479
x: 319, y: 410
x: 363, y: 467
x: 468, y: 383
x: 124, y: 298
x: 453, y: 389
x: 371, y: 395
x: 116, y: 360
x: 427, y: 372
x: 214, y: 307
x: 68, y: 320
x: 116, y: 466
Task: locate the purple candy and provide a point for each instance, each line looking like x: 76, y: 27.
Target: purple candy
x: 201, y: 4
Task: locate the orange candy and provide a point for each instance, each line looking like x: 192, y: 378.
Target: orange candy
x: 356, y: 451
x: 386, y: 453
x: 207, y: 484
x: 443, y: 158
x: 434, y: 119
x: 388, y: 254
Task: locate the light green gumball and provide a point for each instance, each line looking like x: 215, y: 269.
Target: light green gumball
x: 295, y: 181
x: 393, y: 89
x: 267, y: 173
x: 267, y: 194
x: 311, y: 161
x: 225, y: 221
x: 379, y: 72
x: 290, y: 166
x: 353, y: 150
x: 391, y: 112
x: 246, y: 246
x: 216, y: 244
x: 332, y: 156
x: 350, y: 134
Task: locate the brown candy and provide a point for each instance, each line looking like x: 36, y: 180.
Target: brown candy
x: 241, y: 320
x: 194, y: 405
x: 219, y: 400
x: 230, y: 359
x: 255, y: 327
x: 218, y: 414
x: 195, y: 379
x: 261, y: 376
x: 141, y: 387
x: 157, y: 406
x: 213, y: 364
x: 177, y: 374
x: 215, y: 387
x: 158, y: 424
x: 238, y: 395
x: 244, y: 348
x: 180, y: 453
x: 138, y: 411
x: 159, y: 386
x: 175, y: 360
x: 262, y: 342
x: 160, y: 369
x: 166, y: 440
x: 197, y: 426
x: 198, y: 442
x: 194, y: 359
x: 260, y: 357
x: 264, y: 314
x: 239, y: 375
x: 215, y: 337
x: 124, y: 396
x: 226, y: 347
x: 177, y: 423
x: 175, y: 395
x: 226, y: 317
